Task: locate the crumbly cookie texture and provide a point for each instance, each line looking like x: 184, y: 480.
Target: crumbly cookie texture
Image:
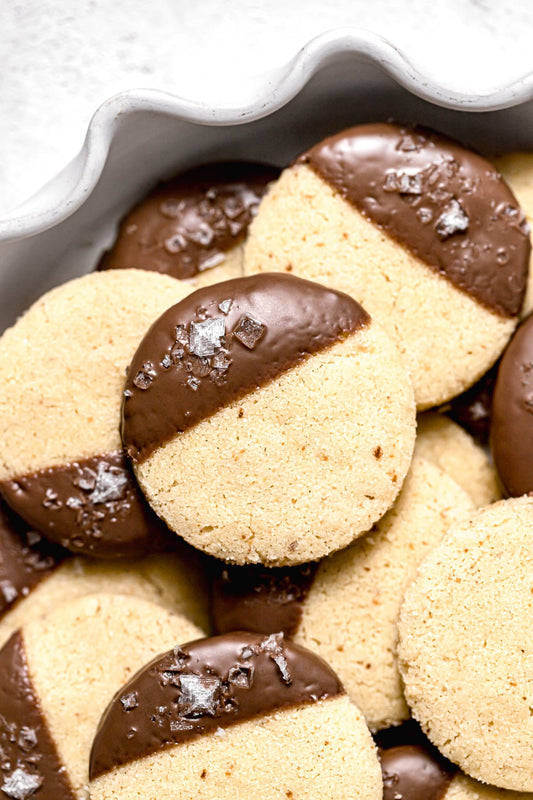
x: 464, y: 788
x: 81, y: 653
x: 446, y: 444
x: 465, y: 645
x: 517, y: 169
x: 287, y: 463
x: 306, y: 227
x: 175, y: 582
x: 351, y: 612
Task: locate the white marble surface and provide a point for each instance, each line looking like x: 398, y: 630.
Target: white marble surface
x: 61, y: 59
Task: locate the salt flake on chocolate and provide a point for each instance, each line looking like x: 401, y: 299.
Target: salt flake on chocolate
x: 111, y: 483
x: 199, y: 695
x: 129, y: 701
x: 404, y: 181
x: 20, y: 785
x: 248, y: 331
x: 453, y: 219
x: 8, y: 591
x: 205, y: 337
x: 273, y: 645
x: 225, y: 305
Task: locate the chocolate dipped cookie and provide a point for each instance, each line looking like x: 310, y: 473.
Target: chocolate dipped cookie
x: 57, y: 675
x: 193, y: 226
x: 425, y: 234
x: 346, y: 608
x: 268, y: 419
x: 465, y: 645
x: 62, y: 467
x: 234, y: 717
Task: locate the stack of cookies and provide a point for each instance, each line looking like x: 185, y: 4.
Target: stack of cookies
x: 244, y: 548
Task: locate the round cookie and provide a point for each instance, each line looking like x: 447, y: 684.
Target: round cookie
x: 62, y: 467
x: 173, y: 580
x: 57, y: 675
x: 517, y: 169
x: 465, y: 645
x: 234, y: 717
x: 346, y: 607
x: 407, y: 222
x: 447, y: 445
x: 194, y: 225
x: 269, y: 420
x: 511, y: 432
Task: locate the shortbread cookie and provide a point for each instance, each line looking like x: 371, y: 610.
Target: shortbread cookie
x: 57, y: 676
x: 511, y: 433
x: 517, y: 169
x: 422, y: 232
x: 234, y: 717
x: 346, y: 608
x: 175, y: 580
x: 446, y: 444
x: 194, y: 225
x: 62, y: 467
x: 466, y: 630
x: 269, y: 420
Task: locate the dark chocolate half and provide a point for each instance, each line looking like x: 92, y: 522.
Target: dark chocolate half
x: 91, y: 506
x: 29, y: 762
x: 222, y: 342
x: 445, y: 204
x: 208, y: 684
x: 25, y: 559
x: 511, y: 433
x: 186, y: 225
x: 261, y: 599
x: 413, y: 769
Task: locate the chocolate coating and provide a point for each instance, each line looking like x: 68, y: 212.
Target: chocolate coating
x: 183, y: 372
x: 29, y: 762
x: 92, y: 506
x: 447, y: 205
x: 205, y: 685
x: 25, y: 559
x: 413, y: 769
x: 261, y: 599
x: 410, y: 772
x: 511, y: 433
x: 473, y: 409
x: 186, y: 225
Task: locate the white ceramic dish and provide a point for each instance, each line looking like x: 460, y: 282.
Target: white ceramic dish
x: 140, y: 137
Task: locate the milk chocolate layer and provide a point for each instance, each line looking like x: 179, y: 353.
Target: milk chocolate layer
x: 92, y: 506
x: 511, y: 433
x: 413, y: 769
x: 261, y: 599
x: 209, y: 684
x: 29, y: 762
x: 25, y: 559
x: 222, y: 342
x: 447, y: 205
x: 186, y: 225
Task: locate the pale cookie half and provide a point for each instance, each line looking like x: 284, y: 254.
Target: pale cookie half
x: 58, y: 674
x: 346, y: 607
x: 193, y: 226
x: 62, y: 467
x: 451, y: 448
x: 234, y: 717
x: 517, y: 169
x: 466, y: 633
x: 269, y: 420
x: 423, y: 233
